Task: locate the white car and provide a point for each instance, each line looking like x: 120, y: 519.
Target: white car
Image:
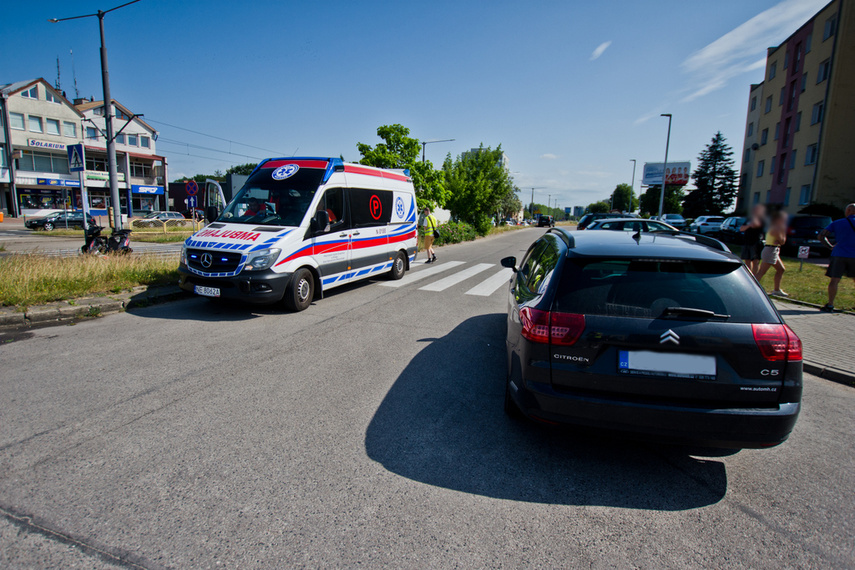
x: 706, y: 224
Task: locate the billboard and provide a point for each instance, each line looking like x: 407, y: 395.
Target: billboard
x: 677, y: 173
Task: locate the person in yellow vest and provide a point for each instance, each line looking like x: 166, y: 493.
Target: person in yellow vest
x: 429, y: 233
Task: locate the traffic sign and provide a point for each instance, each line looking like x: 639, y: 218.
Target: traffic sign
x: 191, y: 201
x: 191, y: 187
x: 804, y: 252
x: 76, y: 158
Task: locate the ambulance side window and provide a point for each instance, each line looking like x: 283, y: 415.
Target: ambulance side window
x: 333, y: 203
x: 370, y: 207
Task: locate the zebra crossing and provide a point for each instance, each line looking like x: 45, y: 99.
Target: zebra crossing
x: 420, y: 271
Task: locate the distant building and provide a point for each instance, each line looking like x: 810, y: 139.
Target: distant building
x: 505, y: 161
x: 798, y: 134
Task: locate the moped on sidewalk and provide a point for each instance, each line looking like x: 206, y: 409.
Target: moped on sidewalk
x: 118, y: 242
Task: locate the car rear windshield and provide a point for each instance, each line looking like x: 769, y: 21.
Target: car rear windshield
x: 803, y: 223
x: 640, y: 288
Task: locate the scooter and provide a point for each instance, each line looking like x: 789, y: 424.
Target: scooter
x: 118, y: 242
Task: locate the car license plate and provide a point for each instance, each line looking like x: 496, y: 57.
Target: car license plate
x: 669, y: 364
x: 207, y: 291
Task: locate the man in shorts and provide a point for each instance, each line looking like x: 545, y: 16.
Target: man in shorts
x: 842, y: 262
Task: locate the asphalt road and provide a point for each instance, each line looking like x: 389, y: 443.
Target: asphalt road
x: 368, y: 430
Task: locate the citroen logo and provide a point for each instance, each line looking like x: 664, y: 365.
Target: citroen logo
x: 207, y: 259
x: 667, y: 336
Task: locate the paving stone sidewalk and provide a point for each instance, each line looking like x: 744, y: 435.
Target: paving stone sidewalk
x: 828, y: 340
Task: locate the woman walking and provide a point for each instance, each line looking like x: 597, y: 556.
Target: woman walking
x: 429, y: 234
x: 776, y: 237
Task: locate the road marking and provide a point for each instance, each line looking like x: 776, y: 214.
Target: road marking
x: 489, y: 285
x: 434, y: 269
x: 447, y: 282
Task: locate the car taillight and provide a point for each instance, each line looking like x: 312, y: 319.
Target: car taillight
x: 562, y: 329
x: 791, y: 232
x: 777, y: 342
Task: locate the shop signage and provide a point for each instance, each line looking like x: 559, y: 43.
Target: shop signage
x: 98, y: 175
x: 57, y: 182
x: 45, y: 144
x: 138, y: 189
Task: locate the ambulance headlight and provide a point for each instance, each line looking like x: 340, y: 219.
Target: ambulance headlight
x: 261, y: 259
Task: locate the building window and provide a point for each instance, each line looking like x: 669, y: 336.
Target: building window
x: 787, y: 133
x: 798, y: 60
x: 16, y: 121
x: 760, y: 166
x: 756, y: 198
x: 792, y: 100
x: 92, y: 133
x: 804, y: 82
x: 798, y: 122
x: 810, y: 154
x: 787, y: 197
x: 804, y: 195
x: 764, y: 136
x: 773, y: 70
x: 782, y: 96
x: 96, y: 163
x: 120, y: 139
x: 807, y: 43
x: 69, y: 129
x: 51, y: 97
x: 768, y: 103
x: 793, y: 159
x: 772, y: 166
x: 140, y: 170
x: 753, y: 102
x: 52, y: 126
x: 782, y: 168
x: 132, y: 140
x: 747, y: 155
x: 2, y: 157
x: 777, y: 131
x: 31, y: 161
x: 31, y: 93
x: 98, y: 111
x: 35, y: 124
x: 824, y: 71
x: 120, y: 114
x: 816, y: 113
x: 830, y: 27
x: 750, y: 129
x: 145, y: 142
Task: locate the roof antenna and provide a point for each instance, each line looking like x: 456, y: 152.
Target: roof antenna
x: 637, y: 236
x: 74, y: 75
x: 58, y: 88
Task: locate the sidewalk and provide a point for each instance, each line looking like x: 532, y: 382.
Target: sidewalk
x: 828, y: 341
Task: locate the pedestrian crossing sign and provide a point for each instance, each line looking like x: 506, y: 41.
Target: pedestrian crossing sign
x: 76, y: 161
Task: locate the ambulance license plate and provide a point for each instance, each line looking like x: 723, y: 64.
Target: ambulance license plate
x: 207, y: 291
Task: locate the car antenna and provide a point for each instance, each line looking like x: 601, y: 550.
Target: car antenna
x: 637, y: 236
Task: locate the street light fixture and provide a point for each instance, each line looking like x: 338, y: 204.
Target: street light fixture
x: 108, y: 111
x: 664, y: 166
x: 425, y: 143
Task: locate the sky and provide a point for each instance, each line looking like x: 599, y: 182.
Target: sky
x: 571, y: 90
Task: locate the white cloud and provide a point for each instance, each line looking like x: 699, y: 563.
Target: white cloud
x: 600, y: 49
x: 549, y: 156
x: 743, y: 49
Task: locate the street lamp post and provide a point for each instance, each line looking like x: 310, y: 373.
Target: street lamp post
x: 632, y: 186
x: 425, y: 143
x: 664, y: 166
x: 108, y: 112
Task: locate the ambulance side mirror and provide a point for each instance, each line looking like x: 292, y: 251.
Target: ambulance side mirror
x: 510, y: 263
x: 212, y: 213
x: 321, y: 222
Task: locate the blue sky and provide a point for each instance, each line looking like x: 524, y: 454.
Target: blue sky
x: 571, y: 90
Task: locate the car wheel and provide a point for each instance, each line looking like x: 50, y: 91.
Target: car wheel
x: 300, y: 291
x: 48, y: 227
x: 399, y: 266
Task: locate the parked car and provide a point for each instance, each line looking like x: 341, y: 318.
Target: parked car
x: 706, y: 224
x: 675, y: 220
x: 58, y: 220
x: 729, y: 230
x: 662, y: 337
x: 163, y: 216
x: 803, y: 230
x: 545, y: 222
x: 631, y: 225
x: 588, y: 218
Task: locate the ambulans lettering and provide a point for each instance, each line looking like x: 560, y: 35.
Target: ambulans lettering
x: 230, y: 234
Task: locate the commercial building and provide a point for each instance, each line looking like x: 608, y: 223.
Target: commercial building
x: 798, y: 132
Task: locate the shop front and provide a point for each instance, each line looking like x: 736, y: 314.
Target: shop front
x: 37, y: 194
x: 146, y: 198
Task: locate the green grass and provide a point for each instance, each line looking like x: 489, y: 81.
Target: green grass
x: 811, y: 285
x: 147, y: 237
x: 32, y: 279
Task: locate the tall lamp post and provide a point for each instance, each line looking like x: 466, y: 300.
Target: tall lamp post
x: 632, y: 186
x: 425, y: 143
x: 664, y: 166
x: 108, y: 111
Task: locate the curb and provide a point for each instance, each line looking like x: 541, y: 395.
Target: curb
x: 830, y: 373
x: 814, y: 305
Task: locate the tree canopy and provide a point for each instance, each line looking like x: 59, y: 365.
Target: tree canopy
x: 623, y: 198
x: 244, y: 169
x: 649, y: 201
x: 715, y: 180
x: 478, y: 184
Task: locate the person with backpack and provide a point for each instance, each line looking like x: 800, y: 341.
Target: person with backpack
x: 429, y: 233
x: 842, y: 262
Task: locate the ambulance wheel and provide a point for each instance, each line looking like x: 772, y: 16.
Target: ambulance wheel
x: 399, y: 266
x: 300, y: 291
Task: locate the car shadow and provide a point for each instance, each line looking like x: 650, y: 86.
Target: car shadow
x: 442, y: 424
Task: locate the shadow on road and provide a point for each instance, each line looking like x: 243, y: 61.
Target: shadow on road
x: 204, y: 310
x: 442, y: 424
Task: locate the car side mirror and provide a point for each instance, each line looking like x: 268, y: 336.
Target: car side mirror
x: 510, y: 263
x: 321, y: 221
x: 212, y: 213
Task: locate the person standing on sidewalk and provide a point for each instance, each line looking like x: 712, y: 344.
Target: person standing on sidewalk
x: 754, y: 230
x: 429, y: 234
x: 771, y: 254
x: 842, y: 262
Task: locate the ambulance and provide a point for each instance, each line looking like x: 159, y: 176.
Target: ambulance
x: 300, y: 227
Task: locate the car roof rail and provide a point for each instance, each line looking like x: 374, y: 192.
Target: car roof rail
x: 699, y: 238
x: 565, y: 236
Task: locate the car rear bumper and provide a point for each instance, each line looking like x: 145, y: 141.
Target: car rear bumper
x: 262, y: 287
x: 713, y: 427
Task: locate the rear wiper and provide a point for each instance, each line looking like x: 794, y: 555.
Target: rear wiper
x: 692, y: 312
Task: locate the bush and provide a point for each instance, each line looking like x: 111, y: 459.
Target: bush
x: 455, y: 232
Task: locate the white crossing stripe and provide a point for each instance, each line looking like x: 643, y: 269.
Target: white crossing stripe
x: 447, y: 282
x: 433, y: 270
x: 489, y: 285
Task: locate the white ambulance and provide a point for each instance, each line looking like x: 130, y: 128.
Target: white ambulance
x: 301, y: 226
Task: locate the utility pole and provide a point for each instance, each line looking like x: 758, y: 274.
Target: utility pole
x: 632, y: 186
x: 108, y: 112
x: 664, y: 166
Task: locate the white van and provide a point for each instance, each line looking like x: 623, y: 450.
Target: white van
x: 301, y: 226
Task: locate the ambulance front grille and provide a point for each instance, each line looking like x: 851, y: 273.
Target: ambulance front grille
x: 221, y: 261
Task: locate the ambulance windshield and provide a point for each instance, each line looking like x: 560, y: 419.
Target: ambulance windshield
x: 269, y: 199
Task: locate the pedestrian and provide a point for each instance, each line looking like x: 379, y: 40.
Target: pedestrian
x: 776, y: 237
x: 842, y: 261
x: 429, y: 233
x: 753, y: 231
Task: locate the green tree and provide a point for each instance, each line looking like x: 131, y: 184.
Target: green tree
x: 510, y: 204
x: 399, y: 150
x: 477, y: 183
x: 623, y: 198
x: 600, y: 207
x: 715, y: 180
x: 649, y: 201
x: 245, y: 169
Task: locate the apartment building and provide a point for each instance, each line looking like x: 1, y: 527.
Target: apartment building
x: 800, y: 119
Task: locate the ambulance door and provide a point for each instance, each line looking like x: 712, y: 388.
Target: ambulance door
x: 332, y: 249
x: 371, y: 212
